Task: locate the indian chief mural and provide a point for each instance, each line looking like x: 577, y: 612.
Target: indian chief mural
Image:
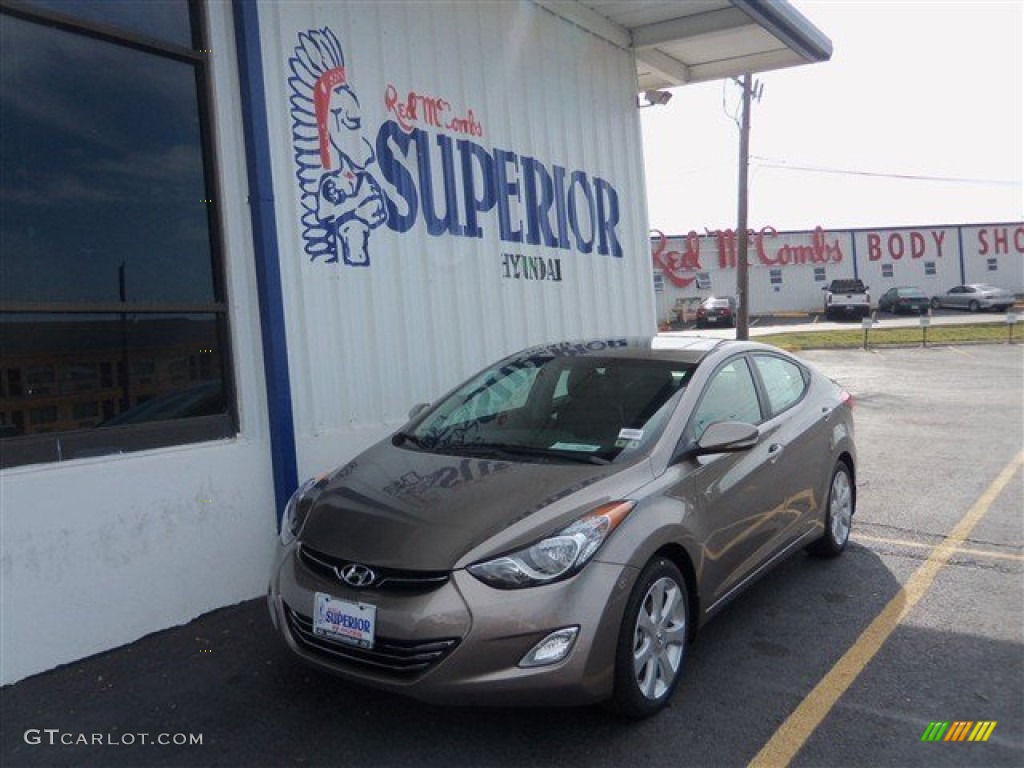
x: 341, y: 200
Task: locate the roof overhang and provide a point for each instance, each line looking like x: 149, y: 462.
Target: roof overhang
x: 692, y: 41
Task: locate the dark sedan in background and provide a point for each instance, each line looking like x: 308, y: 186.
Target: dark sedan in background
x: 904, y: 299
x: 717, y: 311
x: 555, y: 530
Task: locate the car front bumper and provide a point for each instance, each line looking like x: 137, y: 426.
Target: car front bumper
x: 475, y: 634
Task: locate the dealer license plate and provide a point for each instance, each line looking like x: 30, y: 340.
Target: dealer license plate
x: 344, y: 621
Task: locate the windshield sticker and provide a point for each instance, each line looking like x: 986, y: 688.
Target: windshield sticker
x: 631, y: 434
x: 575, y: 447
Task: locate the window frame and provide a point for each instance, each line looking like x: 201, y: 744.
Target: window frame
x: 58, y: 446
x: 766, y: 403
x: 688, y: 438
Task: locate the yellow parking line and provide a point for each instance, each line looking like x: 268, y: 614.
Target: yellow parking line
x: 958, y: 551
x: 798, y: 727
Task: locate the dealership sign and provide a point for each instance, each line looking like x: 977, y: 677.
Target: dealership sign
x: 427, y: 166
x: 681, y: 267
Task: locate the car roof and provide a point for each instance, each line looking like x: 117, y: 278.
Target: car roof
x: 685, y: 348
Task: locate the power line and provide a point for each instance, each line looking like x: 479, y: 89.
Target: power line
x: 766, y: 162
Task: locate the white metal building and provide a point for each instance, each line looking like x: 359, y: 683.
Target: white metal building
x: 241, y: 239
x: 789, y: 269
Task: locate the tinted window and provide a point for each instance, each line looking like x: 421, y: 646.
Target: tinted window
x: 113, y: 321
x: 103, y: 186
x: 783, y: 381
x: 847, y: 286
x: 729, y: 396
x: 166, y: 20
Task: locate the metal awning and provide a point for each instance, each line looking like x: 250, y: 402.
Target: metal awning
x: 692, y: 41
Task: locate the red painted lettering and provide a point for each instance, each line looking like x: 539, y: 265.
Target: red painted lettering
x: 917, y: 246
x: 1002, y: 241
x: 874, y: 247
x: 1018, y: 239
x: 893, y: 252
x: 938, y: 237
x: 726, y: 247
x: 430, y: 110
x: 675, y: 265
x: 983, y: 239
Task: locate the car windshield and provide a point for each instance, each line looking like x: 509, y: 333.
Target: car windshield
x: 718, y: 303
x: 552, y: 408
x: 912, y: 293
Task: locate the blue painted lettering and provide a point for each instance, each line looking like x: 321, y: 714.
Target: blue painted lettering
x: 421, y: 180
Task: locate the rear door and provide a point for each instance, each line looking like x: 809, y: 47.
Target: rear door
x: 797, y: 426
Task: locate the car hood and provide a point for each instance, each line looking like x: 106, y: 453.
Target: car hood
x: 397, y: 507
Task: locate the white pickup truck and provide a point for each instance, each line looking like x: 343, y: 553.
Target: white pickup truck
x: 846, y: 297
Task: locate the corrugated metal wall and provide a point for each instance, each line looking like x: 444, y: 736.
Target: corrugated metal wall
x: 367, y: 341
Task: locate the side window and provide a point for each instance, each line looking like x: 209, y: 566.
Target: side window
x: 783, y: 381
x: 730, y: 396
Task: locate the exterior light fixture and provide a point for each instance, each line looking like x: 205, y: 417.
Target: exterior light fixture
x: 656, y: 98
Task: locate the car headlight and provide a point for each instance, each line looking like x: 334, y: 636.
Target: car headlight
x: 555, y: 557
x: 297, y: 508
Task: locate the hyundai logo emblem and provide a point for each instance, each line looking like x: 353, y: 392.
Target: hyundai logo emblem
x: 357, y: 575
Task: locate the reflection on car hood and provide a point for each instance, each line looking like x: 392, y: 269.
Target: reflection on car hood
x: 403, y: 508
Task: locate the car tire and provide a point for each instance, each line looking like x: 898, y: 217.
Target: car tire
x: 652, y: 642
x: 974, y: 306
x: 935, y: 303
x: 839, y: 509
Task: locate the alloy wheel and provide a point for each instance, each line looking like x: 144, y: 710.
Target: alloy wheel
x: 659, y: 638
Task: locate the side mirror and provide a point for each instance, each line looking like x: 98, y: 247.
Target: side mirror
x: 727, y: 437
x: 417, y: 409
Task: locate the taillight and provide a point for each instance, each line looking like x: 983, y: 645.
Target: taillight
x: 845, y: 398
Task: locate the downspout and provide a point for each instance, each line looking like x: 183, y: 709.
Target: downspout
x: 267, y: 261
x: 853, y: 251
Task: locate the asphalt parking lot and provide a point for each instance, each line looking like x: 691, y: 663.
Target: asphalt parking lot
x: 835, y: 663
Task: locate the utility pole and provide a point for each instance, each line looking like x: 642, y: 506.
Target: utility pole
x: 742, y: 277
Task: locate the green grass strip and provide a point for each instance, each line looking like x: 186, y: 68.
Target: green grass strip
x: 882, y: 337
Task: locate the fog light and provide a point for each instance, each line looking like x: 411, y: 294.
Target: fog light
x: 552, y: 649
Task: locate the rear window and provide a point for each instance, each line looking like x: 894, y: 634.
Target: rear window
x: 847, y: 286
x: 719, y: 303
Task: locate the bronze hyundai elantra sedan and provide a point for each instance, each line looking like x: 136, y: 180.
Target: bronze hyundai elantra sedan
x: 555, y: 530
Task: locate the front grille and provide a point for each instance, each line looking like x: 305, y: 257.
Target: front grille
x: 387, y: 579
x: 398, y: 657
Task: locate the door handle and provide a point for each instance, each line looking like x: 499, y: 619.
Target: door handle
x: 775, y: 451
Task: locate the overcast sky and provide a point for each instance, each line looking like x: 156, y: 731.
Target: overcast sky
x: 928, y: 90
